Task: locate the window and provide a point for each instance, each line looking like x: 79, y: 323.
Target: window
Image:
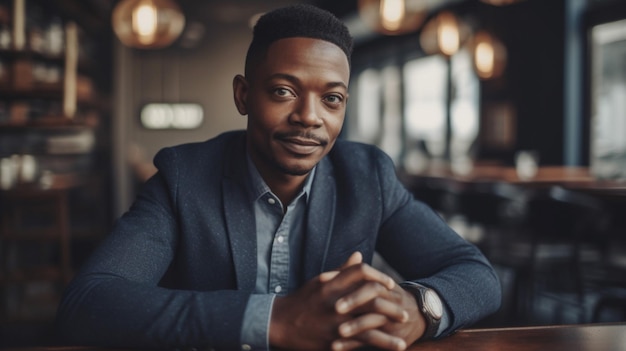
x: 425, y: 110
x: 608, y: 106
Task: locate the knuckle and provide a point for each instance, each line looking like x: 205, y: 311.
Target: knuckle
x: 378, y: 304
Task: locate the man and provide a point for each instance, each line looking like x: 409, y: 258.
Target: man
x: 262, y: 238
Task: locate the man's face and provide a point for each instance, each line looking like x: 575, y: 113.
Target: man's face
x: 295, y: 101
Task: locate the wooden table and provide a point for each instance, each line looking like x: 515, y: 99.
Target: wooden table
x: 589, y: 337
x: 546, y: 175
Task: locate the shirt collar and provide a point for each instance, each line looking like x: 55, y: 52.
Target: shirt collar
x: 257, y: 186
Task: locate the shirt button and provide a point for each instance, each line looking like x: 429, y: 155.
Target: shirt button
x: 280, y: 238
x: 271, y: 201
x: 278, y: 288
x: 246, y: 347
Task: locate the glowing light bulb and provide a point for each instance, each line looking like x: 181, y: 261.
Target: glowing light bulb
x: 484, y: 57
x: 392, y: 13
x: 147, y: 24
x: 145, y: 20
x: 448, y: 34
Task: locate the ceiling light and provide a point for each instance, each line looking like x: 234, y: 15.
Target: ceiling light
x: 147, y: 24
x: 443, y: 34
x: 394, y: 17
x: 489, y: 55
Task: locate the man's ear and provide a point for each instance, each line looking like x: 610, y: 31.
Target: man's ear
x: 240, y: 93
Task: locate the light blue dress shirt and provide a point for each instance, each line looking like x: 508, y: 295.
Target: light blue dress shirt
x: 279, y: 237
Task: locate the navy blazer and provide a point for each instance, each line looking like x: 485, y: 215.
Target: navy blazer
x: 179, y: 266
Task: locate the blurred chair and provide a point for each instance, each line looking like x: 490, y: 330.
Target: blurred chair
x: 566, y: 229
x: 497, y: 208
x: 500, y: 209
x: 606, y: 279
x: 546, y: 237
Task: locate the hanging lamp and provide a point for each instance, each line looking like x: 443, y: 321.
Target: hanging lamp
x: 393, y: 17
x: 488, y: 55
x: 500, y: 2
x: 147, y: 24
x: 443, y: 34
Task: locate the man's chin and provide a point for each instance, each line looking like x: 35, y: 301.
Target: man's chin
x: 296, y: 169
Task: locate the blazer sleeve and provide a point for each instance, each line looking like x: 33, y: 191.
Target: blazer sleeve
x: 115, y: 300
x: 416, y: 242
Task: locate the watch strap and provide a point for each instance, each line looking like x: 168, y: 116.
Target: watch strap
x: 432, y: 321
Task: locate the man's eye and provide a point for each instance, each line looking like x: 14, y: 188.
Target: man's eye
x: 282, y: 92
x: 335, y: 99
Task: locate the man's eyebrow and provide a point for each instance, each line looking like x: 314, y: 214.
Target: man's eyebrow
x: 295, y: 80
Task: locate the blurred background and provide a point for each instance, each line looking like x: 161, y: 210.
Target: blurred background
x: 508, y: 117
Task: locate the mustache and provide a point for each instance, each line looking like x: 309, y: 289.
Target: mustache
x: 302, y: 135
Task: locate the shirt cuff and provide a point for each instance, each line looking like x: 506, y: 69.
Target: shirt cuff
x: 256, y: 321
x: 445, y: 321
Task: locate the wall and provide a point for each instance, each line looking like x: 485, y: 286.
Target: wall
x: 201, y: 75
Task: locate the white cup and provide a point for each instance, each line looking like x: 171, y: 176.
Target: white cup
x: 28, y: 169
x: 526, y: 164
x: 8, y: 173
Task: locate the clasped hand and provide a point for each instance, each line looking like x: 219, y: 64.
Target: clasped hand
x: 351, y: 307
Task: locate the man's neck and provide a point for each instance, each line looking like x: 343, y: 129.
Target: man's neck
x: 286, y: 187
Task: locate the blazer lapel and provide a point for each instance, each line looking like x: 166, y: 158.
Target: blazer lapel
x: 321, y: 216
x: 239, y: 216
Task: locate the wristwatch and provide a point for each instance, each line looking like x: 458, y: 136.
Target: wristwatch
x: 430, y: 305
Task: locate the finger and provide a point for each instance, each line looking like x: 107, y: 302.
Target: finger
x: 350, y: 278
x: 355, y: 258
x: 367, y: 301
x: 346, y: 344
x: 361, y: 324
x: 328, y: 276
x: 393, y: 311
x: 359, y: 297
x: 382, y: 340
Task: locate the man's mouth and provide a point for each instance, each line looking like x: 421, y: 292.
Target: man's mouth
x: 301, y: 144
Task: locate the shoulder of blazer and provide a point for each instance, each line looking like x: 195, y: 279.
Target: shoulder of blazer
x: 198, y: 153
x: 355, y: 157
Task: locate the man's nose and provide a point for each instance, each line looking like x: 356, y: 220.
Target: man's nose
x: 307, y: 112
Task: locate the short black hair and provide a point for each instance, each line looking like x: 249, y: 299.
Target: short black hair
x: 299, y: 20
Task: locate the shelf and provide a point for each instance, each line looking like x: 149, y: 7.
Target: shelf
x: 53, y: 91
x: 29, y: 54
x: 53, y: 235
x: 84, y: 65
x: 43, y: 274
x: 40, y: 91
x: 33, y: 235
x: 52, y: 122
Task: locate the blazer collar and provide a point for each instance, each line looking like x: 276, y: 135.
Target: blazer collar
x: 320, y: 220
x: 239, y: 214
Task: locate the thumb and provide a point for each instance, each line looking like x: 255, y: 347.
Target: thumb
x: 355, y: 258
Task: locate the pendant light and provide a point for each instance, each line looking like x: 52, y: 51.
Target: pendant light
x: 147, y: 24
x: 500, y: 2
x: 489, y: 55
x: 394, y: 17
x: 443, y: 34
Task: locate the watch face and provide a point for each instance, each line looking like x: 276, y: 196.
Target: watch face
x: 433, y: 303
